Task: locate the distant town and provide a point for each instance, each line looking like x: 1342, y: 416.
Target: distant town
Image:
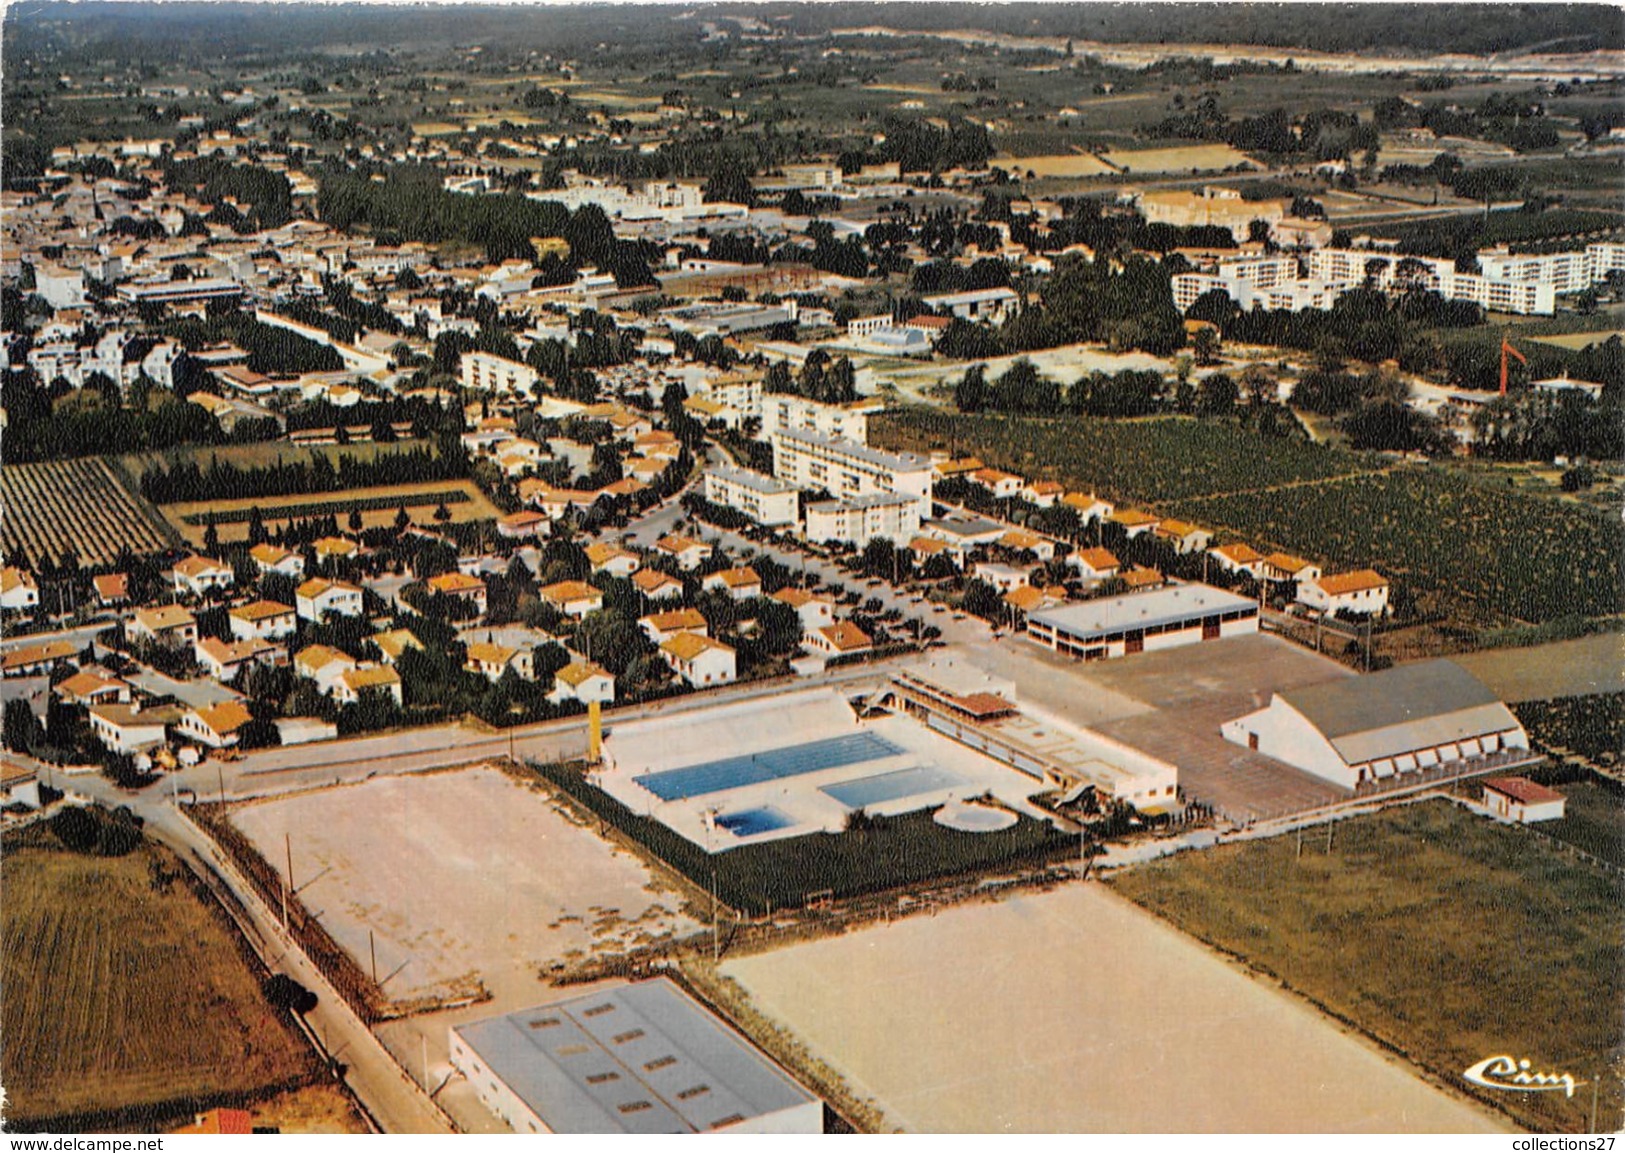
x: 592, y: 569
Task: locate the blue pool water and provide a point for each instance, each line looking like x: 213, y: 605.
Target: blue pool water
x: 866, y: 791
x: 734, y: 772
x: 749, y: 822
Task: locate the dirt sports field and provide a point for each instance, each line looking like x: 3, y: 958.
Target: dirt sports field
x: 420, y: 500
x: 1075, y: 1011
x: 80, y: 1033
x: 462, y: 877
x: 79, y: 504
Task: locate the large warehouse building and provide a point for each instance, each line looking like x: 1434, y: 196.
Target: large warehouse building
x: 1159, y: 619
x: 638, y: 1058
x: 1359, y: 731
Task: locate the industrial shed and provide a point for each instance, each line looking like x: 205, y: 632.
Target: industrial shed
x: 1432, y: 718
x: 1162, y: 618
x: 637, y: 1058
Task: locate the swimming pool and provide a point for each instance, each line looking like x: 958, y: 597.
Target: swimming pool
x: 754, y: 768
x: 749, y: 822
x: 865, y: 791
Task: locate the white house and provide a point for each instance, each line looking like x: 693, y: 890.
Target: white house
x: 281, y: 561
x: 585, y: 682
x: 324, y: 665
x: 699, y: 660
x: 739, y: 583
x: 18, y: 589
x: 814, y: 611
x: 662, y: 627
x: 1094, y: 565
x: 689, y: 554
x: 196, y: 575
x: 218, y: 726
x: 1522, y: 800
x: 1363, y: 592
x: 130, y: 728
x: 657, y: 586
x: 263, y: 621
x: 319, y: 598
x: 573, y: 598
x: 348, y: 688
x: 608, y: 558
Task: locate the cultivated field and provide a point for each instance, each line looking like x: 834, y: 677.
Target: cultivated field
x: 464, y: 879
x: 1195, y: 157
x: 124, y: 991
x: 1572, y: 668
x: 379, y: 506
x: 1578, y: 340
x: 80, y: 504
x: 1073, y: 1011
x: 1062, y: 164
x: 1445, y: 935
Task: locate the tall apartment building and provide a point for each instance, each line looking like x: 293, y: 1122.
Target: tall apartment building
x: 486, y: 372
x: 762, y: 498
x: 785, y: 412
x: 848, y: 470
x: 861, y: 520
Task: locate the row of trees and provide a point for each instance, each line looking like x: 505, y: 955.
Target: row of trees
x: 186, y: 480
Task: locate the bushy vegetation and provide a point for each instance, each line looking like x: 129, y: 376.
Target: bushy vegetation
x: 188, y: 481
x: 1589, y: 726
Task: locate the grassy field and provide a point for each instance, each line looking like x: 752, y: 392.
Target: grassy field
x: 1060, y: 164
x: 1189, y: 158
x: 1575, y: 341
x: 1593, y: 820
x: 80, y: 504
x: 1444, y: 935
x: 123, y: 991
x: 260, y: 454
x: 190, y: 518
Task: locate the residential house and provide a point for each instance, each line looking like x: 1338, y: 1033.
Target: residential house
x: 1238, y: 557
x: 1042, y: 493
x: 393, y: 643
x: 225, y: 660
x: 688, y: 553
x: 319, y: 598
x: 131, y: 728
x: 112, y: 589
x: 280, y: 561
x: 35, y: 659
x: 523, y: 525
x: 815, y: 611
x: 218, y: 726
x: 739, y: 583
x: 699, y: 660
x: 263, y: 621
x: 19, y: 592
x: 491, y: 661
x: 573, y: 598
x: 169, y: 625
x: 1094, y: 565
x: 584, y: 681
x: 1020, y: 540
x: 657, y: 586
x: 1003, y: 485
x: 1281, y: 567
x: 350, y: 686
x: 197, y: 575
x: 1186, y: 538
x: 1363, y: 592
x: 1088, y: 506
x: 87, y: 688
x: 324, y: 665
x: 1134, y: 522
x: 617, y: 562
x: 840, y: 639
x: 457, y: 584
x: 662, y: 627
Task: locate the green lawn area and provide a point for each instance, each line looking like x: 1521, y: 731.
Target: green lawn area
x: 1441, y: 934
x: 756, y: 879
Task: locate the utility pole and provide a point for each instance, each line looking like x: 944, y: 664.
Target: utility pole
x: 287, y: 883
x: 372, y: 947
x: 716, y: 925
x: 220, y: 779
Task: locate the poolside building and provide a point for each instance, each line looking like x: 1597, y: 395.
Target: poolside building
x: 1156, y: 619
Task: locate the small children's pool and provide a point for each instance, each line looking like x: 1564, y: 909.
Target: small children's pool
x: 749, y: 822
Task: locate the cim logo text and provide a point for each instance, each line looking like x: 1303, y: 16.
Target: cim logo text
x: 1512, y: 1073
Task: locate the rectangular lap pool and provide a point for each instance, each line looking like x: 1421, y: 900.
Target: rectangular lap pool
x: 753, y: 769
x: 875, y: 790
x: 749, y: 822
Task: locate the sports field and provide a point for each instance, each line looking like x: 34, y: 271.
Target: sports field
x: 1074, y: 1011
x: 124, y: 990
x: 379, y: 504
x: 461, y: 878
x: 1448, y: 936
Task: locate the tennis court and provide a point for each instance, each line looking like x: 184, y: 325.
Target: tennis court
x: 769, y: 765
x: 911, y: 782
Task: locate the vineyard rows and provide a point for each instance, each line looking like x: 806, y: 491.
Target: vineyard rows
x: 77, y: 504
x: 1501, y: 553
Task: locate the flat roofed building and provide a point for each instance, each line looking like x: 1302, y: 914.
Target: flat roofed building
x: 1156, y: 619
x: 764, y: 499
x: 860, y: 521
x: 848, y: 470
x: 1359, y: 730
x: 636, y: 1058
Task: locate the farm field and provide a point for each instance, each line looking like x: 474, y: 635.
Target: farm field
x: 1445, y: 935
x: 1486, y: 550
x: 1571, y: 669
x: 463, y: 498
x: 1593, y: 820
x: 1060, y: 164
x: 1149, y: 461
x: 1575, y: 341
x: 80, y: 504
x: 462, y: 878
x: 80, y: 1035
x: 1074, y: 1011
x: 1204, y: 157
x: 261, y: 454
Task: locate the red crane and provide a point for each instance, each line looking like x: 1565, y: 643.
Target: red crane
x: 1508, y: 350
